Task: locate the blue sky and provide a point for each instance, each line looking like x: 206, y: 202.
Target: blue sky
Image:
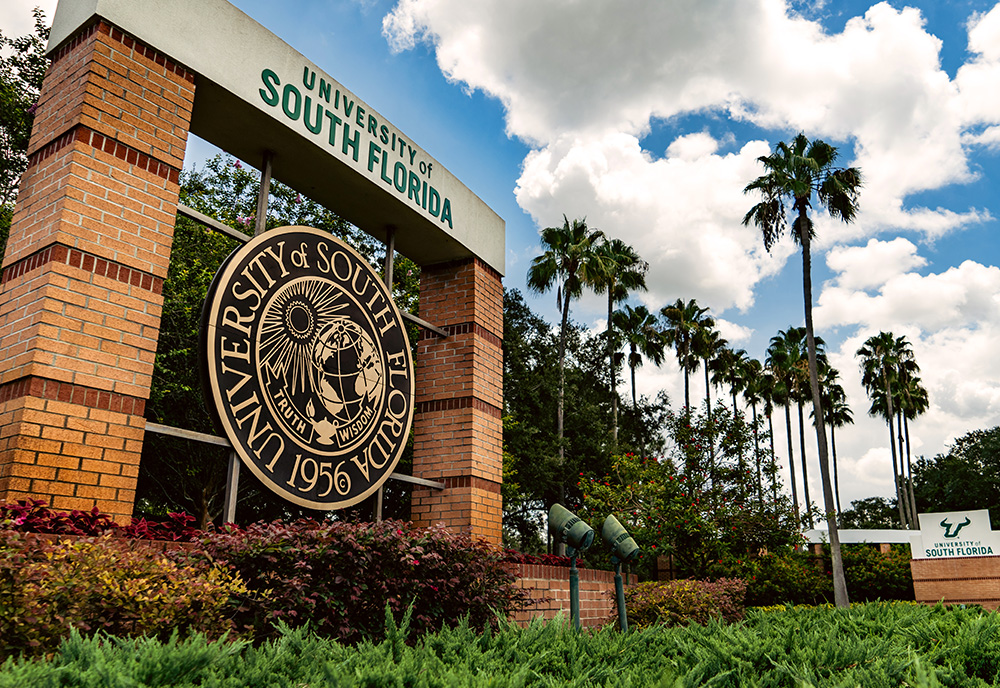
x: 647, y: 117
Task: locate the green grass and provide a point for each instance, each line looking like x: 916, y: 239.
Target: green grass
x: 871, y: 645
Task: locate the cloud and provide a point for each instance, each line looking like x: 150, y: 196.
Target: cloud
x: 582, y: 84
x: 872, y: 265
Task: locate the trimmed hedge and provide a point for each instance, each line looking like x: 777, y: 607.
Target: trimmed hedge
x: 873, y: 645
x: 339, y: 577
x: 679, y: 602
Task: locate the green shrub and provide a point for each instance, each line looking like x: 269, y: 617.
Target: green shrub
x: 339, y: 577
x: 787, y: 577
x: 874, y: 575
x: 883, y: 645
x: 105, y: 583
x: 682, y: 601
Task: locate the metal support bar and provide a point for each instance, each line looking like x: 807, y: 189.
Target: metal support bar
x: 193, y: 435
x: 574, y: 593
x: 424, y: 324
x: 620, y: 598
x: 403, y: 478
x: 212, y: 223
x: 265, y: 190
x: 232, y: 487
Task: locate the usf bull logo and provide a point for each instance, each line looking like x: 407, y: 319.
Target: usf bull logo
x: 952, y: 530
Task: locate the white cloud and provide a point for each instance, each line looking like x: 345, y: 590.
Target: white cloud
x: 872, y: 265
x: 583, y: 83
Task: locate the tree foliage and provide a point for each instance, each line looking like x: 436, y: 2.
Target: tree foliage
x: 22, y: 68
x: 966, y: 477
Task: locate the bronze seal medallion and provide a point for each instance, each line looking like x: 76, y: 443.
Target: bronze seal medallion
x: 308, y: 367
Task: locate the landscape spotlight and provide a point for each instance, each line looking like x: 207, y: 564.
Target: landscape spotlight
x: 623, y: 550
x: 567, y: 527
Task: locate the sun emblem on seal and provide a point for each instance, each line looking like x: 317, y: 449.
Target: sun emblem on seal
x: 323, y: 371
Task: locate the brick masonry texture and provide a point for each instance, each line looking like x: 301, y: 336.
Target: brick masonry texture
x: 959, y: 580
x: 549, y: 589
x: 80, y: 292
x: 458, y: 432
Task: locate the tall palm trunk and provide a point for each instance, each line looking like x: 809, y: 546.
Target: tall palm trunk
x: 791, y: 460
x: 836, y: 478
x: 909, y: 472
x: 711, y: 439
x: 756, y: 454
x: 892, y: 446
x: 611, y: 363
x: 687, y: 384
x: 908, y: 508
x: 805, y: 470
x: 562, y: 387
x: 839, y: 582
x: 770, y: 429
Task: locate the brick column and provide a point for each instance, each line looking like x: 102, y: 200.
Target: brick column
x: 89, y: 246
x: 458, y: 433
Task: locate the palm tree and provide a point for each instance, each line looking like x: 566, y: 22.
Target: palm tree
x: 752, y: 382
x: 782, y: 385
x: 639, y: 330
x: 729, y: 367
x: 797, y: 173
x: 708, y: 346
x: 914, y: 402
x: 620, y: 271
x: 883, y: 358
x: 568, y: 263
x: 683, y: 321
x: 838, y: 414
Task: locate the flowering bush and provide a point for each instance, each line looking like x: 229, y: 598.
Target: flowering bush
x: 514, y: 557
x: 105, y: 583
x: 339, y: 577
x: 680, y: 602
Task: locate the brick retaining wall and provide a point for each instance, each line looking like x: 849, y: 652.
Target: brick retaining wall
x: 965, y: 580
x: 549, y: 585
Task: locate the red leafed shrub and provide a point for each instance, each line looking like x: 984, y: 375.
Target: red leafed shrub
x: 36, y: 517
x: 339, y: 577
x: 680, y: 602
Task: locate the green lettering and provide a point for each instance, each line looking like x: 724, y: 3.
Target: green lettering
x: 319, y: 117
x: 324, y: 90
x: 334, y: 121
x: 351, y: 142
x: 384, y: 134
x: 271, y: 81
x: 291, y: 113
x: 360, y: 119
x: 373, y: 155
x: 414, y: 189
x: 446, y: 213
x: 306, y: 80
x: 399, y: 177
x: 434, y: 207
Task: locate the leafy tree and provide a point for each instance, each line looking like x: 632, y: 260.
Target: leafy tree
x: 22, y: 68
x: 620, y: 271
x: 672, y: 507
x: 796, y: 174
x: 569, y: 262
x: 966, y: 477
x: 870, y: 513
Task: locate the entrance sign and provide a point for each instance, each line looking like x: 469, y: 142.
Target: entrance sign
x: 256, y: 93
x: 955, y: 534
x: 311, y: 385
x: 308, y: 367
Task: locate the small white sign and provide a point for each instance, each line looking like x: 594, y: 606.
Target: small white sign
x: 955, y: 534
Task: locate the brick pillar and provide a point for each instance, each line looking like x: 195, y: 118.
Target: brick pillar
x: 80, y: 296
x: 458, y: 432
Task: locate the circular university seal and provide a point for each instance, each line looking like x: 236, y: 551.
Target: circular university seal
x: 308, y: 367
